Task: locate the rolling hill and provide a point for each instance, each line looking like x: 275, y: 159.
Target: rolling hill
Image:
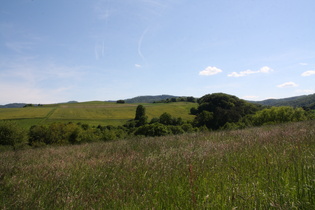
x: 93, y: 112
x: 149, y: 99
x: 297, y: 101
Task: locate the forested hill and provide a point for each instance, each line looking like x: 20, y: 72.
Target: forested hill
x: 13, y: 105
x: 298, y: 101
x: 149, y: 99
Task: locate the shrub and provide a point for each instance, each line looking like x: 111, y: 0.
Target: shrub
x: 38, y: 135
x: 176, y: 129
x: 156, y: 129
x: 188, y: 128
x: 276, y: 115
x: 11, y: 134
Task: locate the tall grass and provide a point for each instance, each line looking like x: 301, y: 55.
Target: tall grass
x: 266, y: 167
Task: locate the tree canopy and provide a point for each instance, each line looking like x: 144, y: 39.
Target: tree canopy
x: 216, y: 109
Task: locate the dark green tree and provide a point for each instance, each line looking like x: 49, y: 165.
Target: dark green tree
x: 191, y: 99
x: 166, y: 119
x: 120, y: 102
x: 140, y: 118
x: 173, y: 100
x: 140, y: 112
x: 193, y: 111
x: 222, y: 108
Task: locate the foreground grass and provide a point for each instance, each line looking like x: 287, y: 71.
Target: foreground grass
x: 267, y: 167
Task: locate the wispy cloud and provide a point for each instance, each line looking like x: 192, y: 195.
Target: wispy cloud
x: 303, y: 64
x: 308, y: 73
x: 287, y: 84
x: 140, y: 43
x: 138, y: 65
x: 26, y: 80
x: 99, y: 50
x: 103, y: 9
x: 264, y: 70
x: 209, y: 71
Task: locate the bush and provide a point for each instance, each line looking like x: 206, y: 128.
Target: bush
x: 275, y: 115
x: 156, y: 129
x: 176, y: 129
x: 38, y: 135
x: 11, y: 134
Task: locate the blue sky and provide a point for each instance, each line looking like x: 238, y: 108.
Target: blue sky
x: 55, y: 50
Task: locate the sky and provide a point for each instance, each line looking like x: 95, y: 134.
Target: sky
x: 55, y: 51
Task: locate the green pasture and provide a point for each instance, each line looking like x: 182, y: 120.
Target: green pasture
x: 24, y: 113
x: 92, y: 113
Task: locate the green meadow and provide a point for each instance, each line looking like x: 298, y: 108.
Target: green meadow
x: 268, y: 167
x: 93, y: 113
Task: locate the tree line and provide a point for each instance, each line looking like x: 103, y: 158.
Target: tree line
x: 214, y: 112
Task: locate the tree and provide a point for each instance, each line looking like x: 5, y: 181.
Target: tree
x: 120, y: 102
x: 191, y: 99
x: 204, y: 118
x: 193, y: 111
x: 221, y: 108
x: 140, y: 112
x: 140, y: 118
x: 173, y: 100
x: 166, y: 119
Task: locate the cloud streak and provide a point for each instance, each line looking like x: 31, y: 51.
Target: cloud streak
x: 287, y: 84
x: 99, y: 50
x: 140, y: 44
x: 210, y: 71
x: 103, y: 10
x: 263, y: 70
x: 308, y: 73
x: 138, y: 65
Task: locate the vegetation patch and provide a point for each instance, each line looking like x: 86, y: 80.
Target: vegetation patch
x: 257, y: 168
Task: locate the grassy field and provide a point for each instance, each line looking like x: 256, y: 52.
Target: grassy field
x: 93, y: 113
x: 271, y: 167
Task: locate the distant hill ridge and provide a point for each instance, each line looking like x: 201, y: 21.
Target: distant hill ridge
x: 149, y: 99
x: 297, y: 101
x: 13, y: 105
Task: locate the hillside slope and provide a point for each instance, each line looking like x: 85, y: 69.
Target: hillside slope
x: 149, y: 99
x: 298, y: 101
